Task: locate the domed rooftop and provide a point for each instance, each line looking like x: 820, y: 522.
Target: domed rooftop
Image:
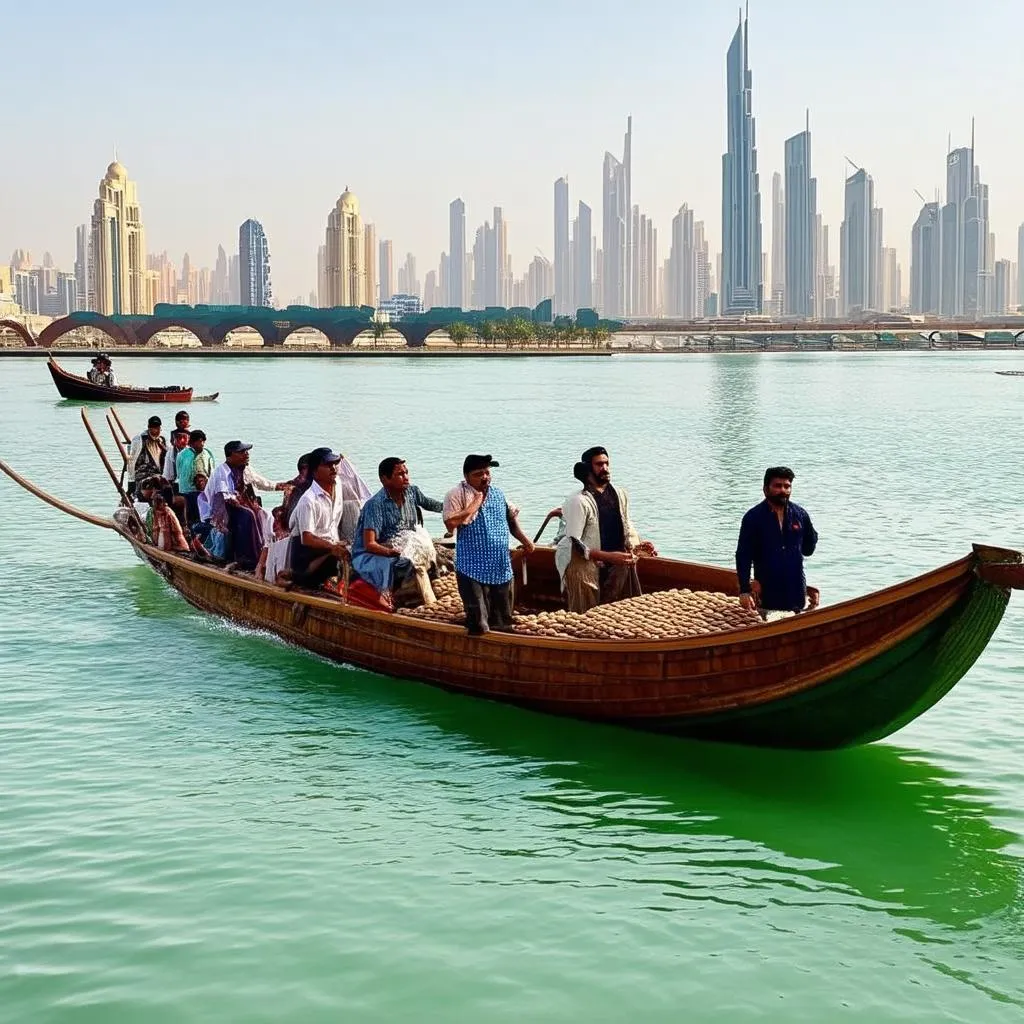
x: 116, y: 171
x: 348, y: 201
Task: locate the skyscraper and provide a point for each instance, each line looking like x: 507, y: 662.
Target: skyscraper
x: 219, y: 284
x: 778, y: 245
x: 1020, y: 266
x: 345, y: 270
x: 234, y: 287
x: 681, y: 277
x: 616, y: 214
x: 370, y: 263
x: 1003, y: 284
x: 801, y: 220
x: 83, y: 245
x: 926, y: 261
x: 563, y: 271
x: 457, y: 297
x: 855, y: 243
x: 742, y: 288
x: 629, y: 266
x: 583, y: 270
x: 119, y: 247
x: 966, y: 260
x: 254, y: 265
x: 387, y: 270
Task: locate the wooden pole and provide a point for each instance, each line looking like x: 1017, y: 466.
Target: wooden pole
x: 555, y: 513
x: 127, y: 436
x: 117, y: 441
x: 62, y: 506
x: 110, y: 471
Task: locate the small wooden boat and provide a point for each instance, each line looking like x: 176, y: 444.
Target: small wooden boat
x: 81, y: 389
x: 838, y: 676
x: 1010, y: 373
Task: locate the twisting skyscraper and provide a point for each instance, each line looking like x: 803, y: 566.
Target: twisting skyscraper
x: 742, y: 289
x: 254, y: 265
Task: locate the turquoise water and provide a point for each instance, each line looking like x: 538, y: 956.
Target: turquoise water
x: 197, y: 823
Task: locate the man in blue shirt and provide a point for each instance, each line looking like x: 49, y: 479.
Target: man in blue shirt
x: 775, y: 537
x: 388, y: 513
x: 483, y: 566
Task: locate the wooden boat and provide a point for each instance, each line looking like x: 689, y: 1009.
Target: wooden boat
x: 82, y: 389
x: 1010, y: 373
x: 838, y: 676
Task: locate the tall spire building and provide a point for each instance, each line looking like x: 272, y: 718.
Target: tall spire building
x: 457, y: 297
x: 118, y: 284
x: 563, y: 265
x: 801, y: 216
x: 742, y: 285
x: 254, y: 265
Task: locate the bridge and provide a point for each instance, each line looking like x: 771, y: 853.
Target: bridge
x: 211, y: 325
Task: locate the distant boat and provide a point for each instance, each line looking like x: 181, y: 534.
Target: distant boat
x: 82, y: 389
x: 1010, y: 373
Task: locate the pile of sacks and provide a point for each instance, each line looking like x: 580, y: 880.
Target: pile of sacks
x: 665, y: 615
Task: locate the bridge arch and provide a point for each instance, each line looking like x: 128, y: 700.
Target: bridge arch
x: 1018, y: 339
x: 340, y: 333
x: 19, y: 329
x: 218, y: 332
x: 146, y: 330
x: 121, y: 335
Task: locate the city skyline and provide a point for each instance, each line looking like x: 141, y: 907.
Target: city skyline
x: 484, y: 184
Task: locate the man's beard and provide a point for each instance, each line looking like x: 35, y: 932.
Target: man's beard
x: 778, y: 500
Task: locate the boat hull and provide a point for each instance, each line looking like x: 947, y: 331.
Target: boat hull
x: 80, y: 389
x: 836, y: 677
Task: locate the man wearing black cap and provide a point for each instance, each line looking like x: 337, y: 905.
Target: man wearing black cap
x: 147, y: 453
x: 317, y: 549
x: 102, y: 371
x: 231, y: 495
x: 483, y: 566
x: 595, y: 555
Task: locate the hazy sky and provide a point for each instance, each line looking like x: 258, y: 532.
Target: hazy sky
x: 228, y: 109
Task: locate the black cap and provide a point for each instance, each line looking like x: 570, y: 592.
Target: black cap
x: 318, y: 456
x: 472, y: 463
x: 235, y: 446
x: 100, y: 357
x: 154, y: 421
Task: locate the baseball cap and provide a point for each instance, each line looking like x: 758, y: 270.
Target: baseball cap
x: 472, y: 463
x: 318, y: 456
x: 235, y: 446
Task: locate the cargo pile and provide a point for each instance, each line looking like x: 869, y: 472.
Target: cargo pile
x: 665, y: 615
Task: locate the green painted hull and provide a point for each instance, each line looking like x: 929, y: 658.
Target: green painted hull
x: 871, y: 701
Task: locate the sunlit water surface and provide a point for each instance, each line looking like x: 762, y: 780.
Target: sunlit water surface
x: 197, y: 823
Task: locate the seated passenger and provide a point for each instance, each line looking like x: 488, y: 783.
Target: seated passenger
x: 192, y: 463
x: 275, y: 560
x: 146, y: 456
x: 102, y: 372
x: 317, y: 549
x: 179, y: 442
x: 234, y: 508
x: 165, y: 529
x: 391, y: 511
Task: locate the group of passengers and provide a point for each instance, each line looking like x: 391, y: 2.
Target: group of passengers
x: 331, y: 533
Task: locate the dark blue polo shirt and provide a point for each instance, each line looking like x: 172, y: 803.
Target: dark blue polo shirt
x: 776, y: 555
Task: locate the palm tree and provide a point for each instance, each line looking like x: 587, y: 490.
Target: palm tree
x: 380, y: 327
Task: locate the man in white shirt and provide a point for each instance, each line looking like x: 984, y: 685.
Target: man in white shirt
x: 231, y: 496
x: 317, y: 548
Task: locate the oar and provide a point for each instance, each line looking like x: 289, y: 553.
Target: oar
x: 126, y: 435
x: 117, y: 441
x: 62, y: 506
x: 110, y: 470
x: 555, y: 513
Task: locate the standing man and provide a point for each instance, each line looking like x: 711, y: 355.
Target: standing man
x: 317, y: 549
x: 231, y: 495
x: 483, y: 566
x: 147, y: 453
x: 596, y: 551
x: 392, y: 510
x: 179, y: 442
x: 775, y: 538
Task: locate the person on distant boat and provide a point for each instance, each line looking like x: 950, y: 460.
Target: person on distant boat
x: 484, y: 522
x: 234, y: 508
x: 391, y: 511
x: 147, y: 453
x: 102, y: 371
x: 317, y: 548
x: 775, y: 538
x: 597, y: 545
x: 193, y: 461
